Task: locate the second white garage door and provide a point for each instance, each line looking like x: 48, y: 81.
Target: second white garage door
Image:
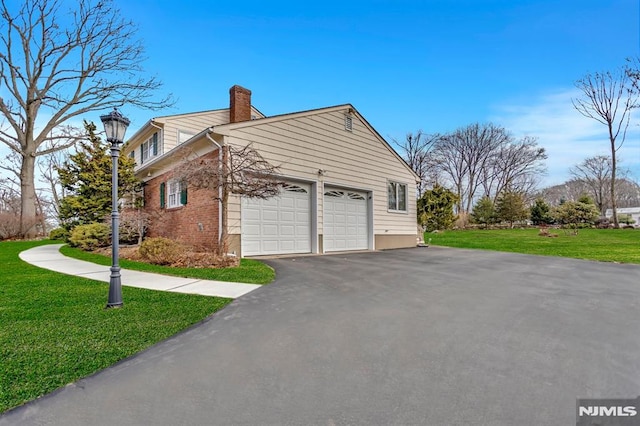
x: 345, y: 220
x: 277, y: 225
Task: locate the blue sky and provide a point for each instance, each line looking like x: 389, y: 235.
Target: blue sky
x: 405, y: 65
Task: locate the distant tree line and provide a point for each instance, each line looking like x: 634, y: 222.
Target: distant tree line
x: 486, y: 174
x: 479, y: 160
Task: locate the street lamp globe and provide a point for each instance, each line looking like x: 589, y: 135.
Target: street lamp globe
x: 115, y: 126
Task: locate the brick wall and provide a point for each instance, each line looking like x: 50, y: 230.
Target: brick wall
x: 239, y: 104
x: 194, y: 224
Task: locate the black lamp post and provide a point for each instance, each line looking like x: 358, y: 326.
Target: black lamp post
x: 115, y: 126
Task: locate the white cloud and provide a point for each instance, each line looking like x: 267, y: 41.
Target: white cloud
x: 567, y: 136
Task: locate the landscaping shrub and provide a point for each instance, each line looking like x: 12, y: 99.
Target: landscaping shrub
x: 160, y: 251
x: 133, y: 225
x: 200, y: 259
x: 59, y: 234
x: 9, y: 226
x: 90, y: 237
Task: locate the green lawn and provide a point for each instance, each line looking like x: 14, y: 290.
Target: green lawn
x: 250, y: 271
x: 609, y: 245
x: 54, y: 328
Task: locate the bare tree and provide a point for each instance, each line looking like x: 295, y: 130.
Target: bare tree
x: 632, y: 70
x: 415, y: 150
x: 239, y: 170
x: 516, y: 167
x: 48, y: 168
x: 608, y: 98
x: 595, y: 173
x: 628, y: 192
x: 9, y: 209
x: 464, y: 155
x: 56, y: 65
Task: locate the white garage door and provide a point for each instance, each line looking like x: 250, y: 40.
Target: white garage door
x: 345, y: 220
x: 277, y: 225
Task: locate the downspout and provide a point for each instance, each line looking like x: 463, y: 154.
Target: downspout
x: 219, y: 187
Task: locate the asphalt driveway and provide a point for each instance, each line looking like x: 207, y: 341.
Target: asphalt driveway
x: 429, y: 336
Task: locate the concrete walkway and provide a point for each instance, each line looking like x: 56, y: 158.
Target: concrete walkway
x: 49, y: 257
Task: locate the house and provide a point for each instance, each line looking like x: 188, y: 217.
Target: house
x: 346, y: 188
x: 632, y: 212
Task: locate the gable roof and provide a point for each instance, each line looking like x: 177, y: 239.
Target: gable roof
x: 225, y: 129
x: 159, y: 120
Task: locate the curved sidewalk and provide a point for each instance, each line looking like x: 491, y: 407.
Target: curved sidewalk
x: 49, y: 257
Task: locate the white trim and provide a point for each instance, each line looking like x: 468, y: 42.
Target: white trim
x: 397, y: 197
x: 345, y: 225
x: 177, y: 202
x: 149, y: 148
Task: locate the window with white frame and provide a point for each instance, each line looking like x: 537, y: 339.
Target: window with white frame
x: 149, y: 148
x: 176, y: 193
x: 397, y: 196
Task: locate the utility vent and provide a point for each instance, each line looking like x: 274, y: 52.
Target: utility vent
x: 348, y: 123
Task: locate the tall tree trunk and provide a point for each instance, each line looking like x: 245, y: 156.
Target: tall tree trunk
x: 614, y: 209
x: 28, y: 200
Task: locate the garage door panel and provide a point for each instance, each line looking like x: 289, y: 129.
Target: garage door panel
x: 286, y: 246
x: 277, y: 225
x: 345, y: 220
x: 287, y: 203
x: 269, y: 230
x: 269, y: 246
x: 287, y: 216
x: 287, y: 230
x: 269, y: 215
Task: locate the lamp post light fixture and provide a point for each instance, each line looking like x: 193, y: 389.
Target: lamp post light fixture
x: 115, y: 126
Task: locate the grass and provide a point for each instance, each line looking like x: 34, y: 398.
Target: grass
x: 55, y: 329
x: 250, y: 271
x: 608, y: 245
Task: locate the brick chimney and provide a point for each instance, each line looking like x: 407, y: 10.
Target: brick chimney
x: 239, y: 104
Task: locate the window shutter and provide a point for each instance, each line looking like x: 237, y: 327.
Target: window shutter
x: 183, y: 194
x: 162, y: 192
x: 155, y: 144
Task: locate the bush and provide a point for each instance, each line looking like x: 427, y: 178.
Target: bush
x: 9, y: 226
x: 133, y: 225
x: 59, y: 234
x: 90, y: 237
x: 602, y: 223
x: 160, y: 251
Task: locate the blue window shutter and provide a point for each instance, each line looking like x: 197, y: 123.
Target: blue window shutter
x: 162, y: 191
